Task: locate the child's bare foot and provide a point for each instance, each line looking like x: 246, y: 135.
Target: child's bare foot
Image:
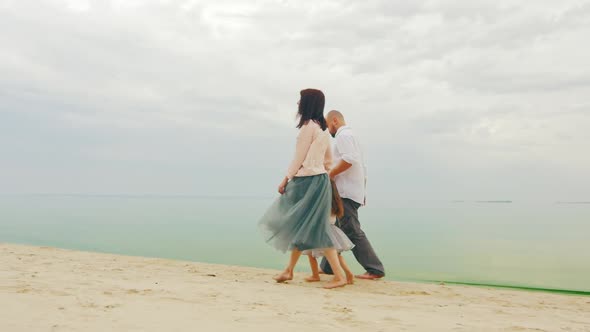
x: 349, y: 278
x: 335, y: 283
x: 285, y: 276
x: 312, y: 279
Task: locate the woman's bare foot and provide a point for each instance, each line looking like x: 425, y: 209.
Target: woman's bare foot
x: 312, y: 279
x: 285, y: 276
x: 335, y: 283
x: 349, y: 278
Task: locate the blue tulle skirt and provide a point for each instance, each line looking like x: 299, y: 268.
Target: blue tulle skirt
x: 299, y: 219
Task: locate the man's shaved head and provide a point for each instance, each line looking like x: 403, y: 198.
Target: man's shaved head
x: 335, y: 114
x: 335, y: 120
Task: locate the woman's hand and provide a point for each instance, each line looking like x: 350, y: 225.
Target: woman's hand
x: 283, y: 186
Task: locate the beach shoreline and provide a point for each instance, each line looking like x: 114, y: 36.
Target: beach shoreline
x: 50, y: 289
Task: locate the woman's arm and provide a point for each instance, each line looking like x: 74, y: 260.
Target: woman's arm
x: 328, y: 159
x: 304, y: 140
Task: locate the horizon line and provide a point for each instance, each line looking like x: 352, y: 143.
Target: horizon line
x: 249, y: 196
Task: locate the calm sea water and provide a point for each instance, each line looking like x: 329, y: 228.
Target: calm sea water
x: 539, y: 245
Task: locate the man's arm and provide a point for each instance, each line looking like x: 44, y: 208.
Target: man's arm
x: 349, y: 153
x: 340, y: 168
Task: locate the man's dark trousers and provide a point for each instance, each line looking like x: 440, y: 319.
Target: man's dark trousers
x: 363, y: 251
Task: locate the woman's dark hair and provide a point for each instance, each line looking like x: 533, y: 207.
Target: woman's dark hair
x: 311, y: 107
x: 337, y: 205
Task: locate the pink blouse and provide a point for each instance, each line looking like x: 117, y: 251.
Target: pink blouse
x: 313, y: 154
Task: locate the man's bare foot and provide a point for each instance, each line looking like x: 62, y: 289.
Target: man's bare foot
x: 312, y: 279
x: 349, y: 278
x: 335, y: 283
x: 285, y: 276
x: 369, y: 276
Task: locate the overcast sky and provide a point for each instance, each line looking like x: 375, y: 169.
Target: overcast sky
x: 464, y: 99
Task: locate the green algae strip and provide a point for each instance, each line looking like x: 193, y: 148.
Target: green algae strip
x: 522, y: 288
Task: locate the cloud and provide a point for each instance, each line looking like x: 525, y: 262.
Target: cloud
x: 479, y: 88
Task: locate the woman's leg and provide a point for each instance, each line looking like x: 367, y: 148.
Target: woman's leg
x: 347, y: 272
x: 339, y: 279
x: 287, y: 274
x: 315, y: 271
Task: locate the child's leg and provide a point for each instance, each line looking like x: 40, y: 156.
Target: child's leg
x: 347, y: 272
x: 339, y: 279
x: 315, y: 271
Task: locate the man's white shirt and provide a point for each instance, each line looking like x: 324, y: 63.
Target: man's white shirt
x: 352, y: 182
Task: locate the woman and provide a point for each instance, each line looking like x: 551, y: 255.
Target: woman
x: 298, y: 220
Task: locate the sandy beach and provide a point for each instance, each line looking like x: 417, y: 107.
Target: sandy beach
x: 48, y: 289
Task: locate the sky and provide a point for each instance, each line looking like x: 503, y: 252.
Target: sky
x: 464, y: 99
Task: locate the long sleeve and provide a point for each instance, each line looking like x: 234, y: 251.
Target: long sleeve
x: 304, y: 140
x: 328, y: 159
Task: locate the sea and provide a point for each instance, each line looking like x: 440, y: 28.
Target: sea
x: 530, y: 245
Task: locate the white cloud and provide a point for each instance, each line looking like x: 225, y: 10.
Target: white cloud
x: 476, y: 87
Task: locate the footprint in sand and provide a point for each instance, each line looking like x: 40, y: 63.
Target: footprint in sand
x: 391, y: 319
x: 256, y: 305
x: 213, y: 295
x: 142, y: 292
x: 192, y: 270
x: 339, y: 309
x: 59, y: 293
x: 414, y: 293
x: 90, y: 305
x: 523, y: 328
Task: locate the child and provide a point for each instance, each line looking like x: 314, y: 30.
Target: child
x: 340, y: 240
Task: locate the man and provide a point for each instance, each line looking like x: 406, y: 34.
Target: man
x: 349, y: 172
